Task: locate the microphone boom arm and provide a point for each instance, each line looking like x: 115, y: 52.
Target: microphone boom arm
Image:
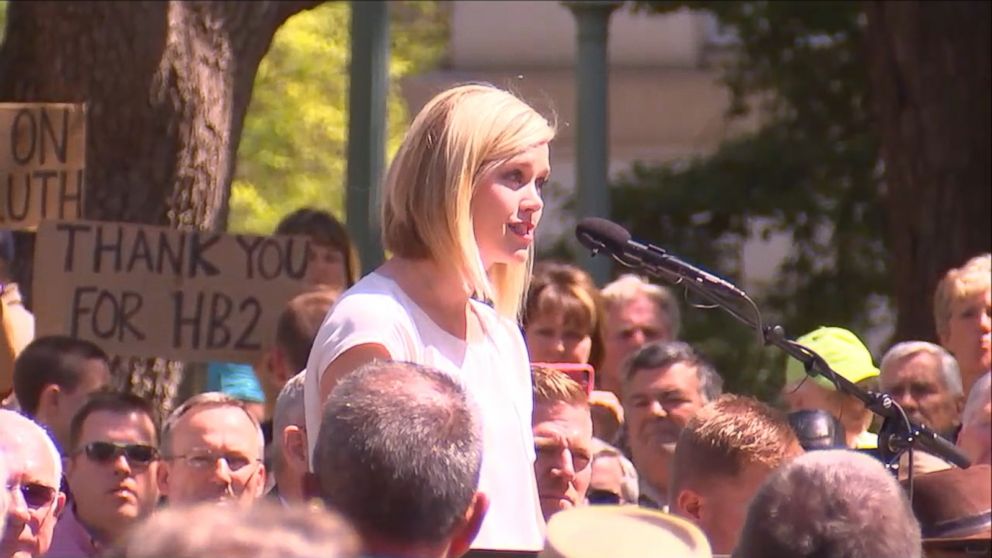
x: 900, y: 433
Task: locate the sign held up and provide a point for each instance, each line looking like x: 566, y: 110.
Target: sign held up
x: 42, y: 163
x: 147, y: 291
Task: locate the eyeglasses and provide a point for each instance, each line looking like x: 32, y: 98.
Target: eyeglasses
x: 107, y: 452
x: 36, y: 495
x: 602, y: 497
x: 208, y: 460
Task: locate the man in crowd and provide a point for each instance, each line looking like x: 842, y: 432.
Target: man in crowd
x: 296, y: 330
x: 664, y: 384
x: 830, y: 503
x: 975, y: 439
x: 54, y: 376
x: 399, y: 454
x: 562, y: 440
x: 723, y: 455
x: 924, y: 380
x: 962, y: 308
x: 288, y: 451
x: 613, y: 479
x: 34, y: 471
x: 263, y: 530
x: 637, y: 312
x: 111, y: 467
x: 212, y: 450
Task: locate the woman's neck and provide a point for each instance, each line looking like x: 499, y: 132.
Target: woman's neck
x: 439, y: 291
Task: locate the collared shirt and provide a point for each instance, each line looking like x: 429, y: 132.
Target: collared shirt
x: 71, y: 539
x: 649, y: 497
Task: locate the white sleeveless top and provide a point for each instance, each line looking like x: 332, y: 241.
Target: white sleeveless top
x: 495, y: 372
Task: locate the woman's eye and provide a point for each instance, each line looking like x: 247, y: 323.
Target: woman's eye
x: 514, y: 177
x: 574, y: 335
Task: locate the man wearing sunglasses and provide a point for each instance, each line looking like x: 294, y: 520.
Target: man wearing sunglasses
x: 212, y: 449
x: 35, y: 502
x: 110, y: 467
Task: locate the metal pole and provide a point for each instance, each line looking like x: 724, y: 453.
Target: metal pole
x: 592, y: 121
x: 369, y: 74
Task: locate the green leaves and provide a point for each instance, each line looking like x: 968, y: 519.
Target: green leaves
x: 293, y: 148
x: 810, y: 173
x: 3, y: 19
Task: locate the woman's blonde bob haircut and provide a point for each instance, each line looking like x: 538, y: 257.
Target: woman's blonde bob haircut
x: 458, y: 137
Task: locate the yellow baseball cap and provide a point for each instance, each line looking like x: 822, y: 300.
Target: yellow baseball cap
x: 622, y: 532
x: 841, y: 349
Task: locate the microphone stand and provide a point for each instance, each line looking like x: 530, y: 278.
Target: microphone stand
x: 897, y: 435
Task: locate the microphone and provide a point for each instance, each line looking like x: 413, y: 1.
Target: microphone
x: 600, y: 235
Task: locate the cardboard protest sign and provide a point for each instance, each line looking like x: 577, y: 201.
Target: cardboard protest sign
x: 147, y: 291
x: 42, y: 163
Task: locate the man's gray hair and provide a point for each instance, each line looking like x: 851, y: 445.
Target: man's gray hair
x: 662, y: 354
x: 830, y: 503
x: 205, y: 400
x: 266, y: 529
x: 11, y: 422
x: 948, y: 365
x: 981, y: 392
x: 399, y: 451
x: 629, y: 286
x: 288, y: 411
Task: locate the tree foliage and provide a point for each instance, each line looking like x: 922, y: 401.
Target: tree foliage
x: 293, y: 149
x: 810, y: 172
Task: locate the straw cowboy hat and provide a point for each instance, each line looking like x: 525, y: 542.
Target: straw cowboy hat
x: 622, y: 532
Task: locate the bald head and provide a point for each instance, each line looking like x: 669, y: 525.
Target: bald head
x: 23, y: 442
x: 35, y: 472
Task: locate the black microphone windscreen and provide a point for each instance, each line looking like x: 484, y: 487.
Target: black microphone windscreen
x: 595, y: 233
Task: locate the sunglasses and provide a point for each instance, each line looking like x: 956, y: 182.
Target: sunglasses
x: 602, y: 497
x: 36, y: 495
x: 107, y: 452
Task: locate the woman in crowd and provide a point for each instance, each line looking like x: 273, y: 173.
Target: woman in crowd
x: 332, y: 265
x: 461, y: 202
x: 333, y: 260
x: 563, y: 323
x: 563, y: 318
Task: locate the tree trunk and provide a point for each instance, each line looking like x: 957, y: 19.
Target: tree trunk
x: 930, y: 76
x: 167, y: 85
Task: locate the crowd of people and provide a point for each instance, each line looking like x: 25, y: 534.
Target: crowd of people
x: 462, y: 400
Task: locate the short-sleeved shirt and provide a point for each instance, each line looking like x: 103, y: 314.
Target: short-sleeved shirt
x: 495, y: 371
